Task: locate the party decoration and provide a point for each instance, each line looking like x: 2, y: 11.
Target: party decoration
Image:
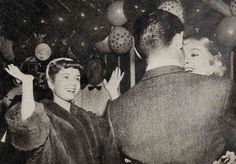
x: 115, y: 13
x: 233, y: 7
x: 43, y: 51
x: 226, y: 31
x: 219, y: 5
x: 120, y: 40
x: 174, y: 8
x: 103, y: 46
x: 135, y: 8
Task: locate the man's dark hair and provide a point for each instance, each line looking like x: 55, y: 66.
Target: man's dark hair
x: 155, y: 30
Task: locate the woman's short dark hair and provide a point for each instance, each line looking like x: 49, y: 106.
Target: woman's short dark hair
x: 57, y: 64
x: 156, y: 30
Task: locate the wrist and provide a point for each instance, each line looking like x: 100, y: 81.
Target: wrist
x: 114, y: 94
x: 27, y: 81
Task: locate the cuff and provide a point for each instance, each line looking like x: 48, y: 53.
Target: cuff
x: 31, y: 133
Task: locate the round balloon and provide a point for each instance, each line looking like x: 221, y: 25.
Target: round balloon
x: 120, y: 40
x: 233, y: 7
x: 226, y: 31
x: 103, y: 46
x: 115, y: 13
x: 43, y: 51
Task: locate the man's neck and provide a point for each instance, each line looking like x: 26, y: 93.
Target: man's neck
x: 65, y: 104
x: 155, y: 64
x: 161, y: 59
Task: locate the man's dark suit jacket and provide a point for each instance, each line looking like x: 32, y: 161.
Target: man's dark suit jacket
x: 172, y: 116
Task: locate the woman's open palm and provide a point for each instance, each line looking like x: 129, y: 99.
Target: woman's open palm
x: 16, y: 73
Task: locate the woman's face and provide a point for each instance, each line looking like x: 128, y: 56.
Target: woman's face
x: 197, y: 57
x: 66, y: 84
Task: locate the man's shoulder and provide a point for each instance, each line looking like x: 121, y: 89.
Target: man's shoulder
x: 201, y: 79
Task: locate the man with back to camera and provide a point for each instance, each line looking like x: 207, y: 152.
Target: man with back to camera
x: 171, y: 116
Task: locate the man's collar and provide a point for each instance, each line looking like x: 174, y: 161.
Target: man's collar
x: 162, y: 71
x: 92, y: 87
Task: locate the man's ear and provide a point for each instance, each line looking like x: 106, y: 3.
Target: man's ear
x: 177, y: 40
x: 50, y: 84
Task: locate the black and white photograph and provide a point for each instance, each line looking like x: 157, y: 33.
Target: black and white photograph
x: 117, y: 81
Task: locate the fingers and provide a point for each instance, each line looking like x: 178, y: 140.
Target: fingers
x: 116, y: 72
x: 13, y: 71
x: 121, y: 77
x: 9, y: 69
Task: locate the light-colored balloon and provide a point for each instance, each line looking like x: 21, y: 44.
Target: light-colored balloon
x: 226, y: 31
x: 43, y: 51
x: 115, y: 13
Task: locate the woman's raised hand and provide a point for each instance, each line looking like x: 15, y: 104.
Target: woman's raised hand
x: 114, y: 83
x: 16, y: 73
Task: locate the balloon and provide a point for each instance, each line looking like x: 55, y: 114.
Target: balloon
x: 115, y: 13
x: 135, y: 8
x: 174, y: 8
x: 103, y: 46
x: 43, y: 51
x: 120, y: 40
x: 226, y: 31
x: 233, y: 7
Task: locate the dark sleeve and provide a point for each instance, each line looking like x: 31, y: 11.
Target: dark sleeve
x: 112, y: 153
x: 27, y: 134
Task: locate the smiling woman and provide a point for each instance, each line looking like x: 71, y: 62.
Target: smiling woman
x: 63, y: 78
x: 56, y: 131
x: 203, y: 57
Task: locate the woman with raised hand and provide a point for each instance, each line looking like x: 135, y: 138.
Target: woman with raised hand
x: 58, y: 131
